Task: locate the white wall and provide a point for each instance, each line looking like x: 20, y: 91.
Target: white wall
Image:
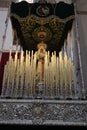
x: 9, y: 37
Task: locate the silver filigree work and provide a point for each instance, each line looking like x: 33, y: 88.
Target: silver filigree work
x: 43, y: 112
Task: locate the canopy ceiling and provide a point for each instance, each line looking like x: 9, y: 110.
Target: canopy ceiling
x: 39, y: 22
x: 81, y: 5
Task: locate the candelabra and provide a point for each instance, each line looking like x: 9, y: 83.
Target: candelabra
x: 39, y: 75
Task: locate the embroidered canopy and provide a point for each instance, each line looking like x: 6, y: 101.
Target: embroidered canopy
x: 37, y: 22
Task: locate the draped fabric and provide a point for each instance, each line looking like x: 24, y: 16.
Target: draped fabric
x: 2, y: 63
x: 4, y: 59
x: 39, y: 22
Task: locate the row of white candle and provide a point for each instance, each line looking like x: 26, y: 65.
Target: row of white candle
x: 59, y: 74
x: 21, y: 75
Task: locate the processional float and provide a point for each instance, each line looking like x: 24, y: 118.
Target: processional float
x: 43, y: 65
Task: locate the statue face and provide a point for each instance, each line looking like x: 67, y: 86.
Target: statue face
x: 41, y: 50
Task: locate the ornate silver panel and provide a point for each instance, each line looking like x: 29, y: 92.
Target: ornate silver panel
x: 43, y: 112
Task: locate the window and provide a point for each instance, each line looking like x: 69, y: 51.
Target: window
x: 30, y: 1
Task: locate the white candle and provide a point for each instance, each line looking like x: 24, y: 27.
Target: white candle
x: 16, y: 54
x: 74, y: 78
x: 4, y: 81
x: 60, y: 67
x: 70, y: 72
x: 17, y: 79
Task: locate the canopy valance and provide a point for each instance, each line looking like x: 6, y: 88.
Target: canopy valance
x: 39, y: 22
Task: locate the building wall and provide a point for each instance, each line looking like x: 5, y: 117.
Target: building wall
x: 82, y: 30
x: 9, y: 35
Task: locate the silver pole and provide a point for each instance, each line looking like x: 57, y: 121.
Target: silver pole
x: 79, y: 54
